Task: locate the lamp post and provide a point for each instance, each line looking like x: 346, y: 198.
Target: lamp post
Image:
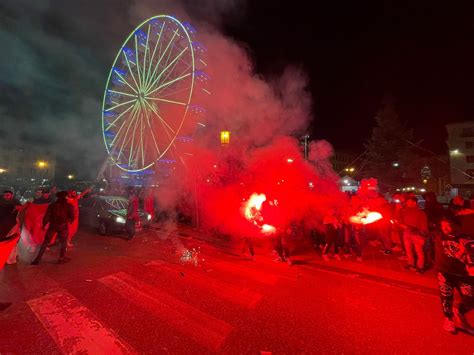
x: 42, y: 165
x: 306, y: 138
x: 225, y: 138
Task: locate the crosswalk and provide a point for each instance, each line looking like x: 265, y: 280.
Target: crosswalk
x: 76, y: 329
x: 73, y: 327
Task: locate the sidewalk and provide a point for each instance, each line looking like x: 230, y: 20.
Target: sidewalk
x: 376, y: 267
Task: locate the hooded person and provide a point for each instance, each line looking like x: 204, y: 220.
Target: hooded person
x: 73, y: 198
x: 455, y: 266
x: 9, y: 207
x: 58, y: 216
x: 132, y: 214
x: 45, y: 197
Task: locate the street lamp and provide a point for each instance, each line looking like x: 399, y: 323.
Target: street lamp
x: 70, y: 177
x: 395, y: 164
x: 2, y: 170
x: 225, y: 138
x: 455, y: 152
x: 41, y: 164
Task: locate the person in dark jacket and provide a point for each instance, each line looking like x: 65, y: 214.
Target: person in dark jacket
x: 434, y: 212
x: 9, y: 207
x: 132, y: 214
x: 58, y: 215
x: 45, y: 197
x: 453, y: 259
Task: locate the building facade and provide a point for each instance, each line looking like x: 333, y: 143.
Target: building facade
x: 461, y: 156
x: 341, y: 163
x: 26, y: 165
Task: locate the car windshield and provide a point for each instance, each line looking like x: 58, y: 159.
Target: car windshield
x: 116, y: 204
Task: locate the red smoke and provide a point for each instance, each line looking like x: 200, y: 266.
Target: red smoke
x: 264, y: 115
x: 295, y: 190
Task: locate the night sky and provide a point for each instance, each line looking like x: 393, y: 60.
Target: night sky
x: 419, y: 52
x: 56, y: 56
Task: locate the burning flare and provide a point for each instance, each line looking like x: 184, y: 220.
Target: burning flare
x: 252, y: 212
x: 365, y: 217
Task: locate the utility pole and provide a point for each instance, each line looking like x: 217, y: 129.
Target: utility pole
x: 306, y: 138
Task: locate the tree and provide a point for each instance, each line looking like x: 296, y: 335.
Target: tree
x: 390, y: 158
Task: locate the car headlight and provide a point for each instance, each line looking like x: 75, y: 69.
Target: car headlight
x: 120, y: 220
x: 148, y: 217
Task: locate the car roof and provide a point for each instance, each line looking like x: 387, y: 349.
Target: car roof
x: 111, y: 198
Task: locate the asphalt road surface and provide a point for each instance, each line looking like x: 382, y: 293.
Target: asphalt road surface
x: 149, y: 297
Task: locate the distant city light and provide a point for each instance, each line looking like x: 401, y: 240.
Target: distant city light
x: 455, y: 151
x: 289, y: 160
x: 3, y: 170
x: 41, y: 164
x: 70, y: 177
x: 395, y: 164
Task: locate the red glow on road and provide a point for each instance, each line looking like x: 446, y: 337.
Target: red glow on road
x: 366, y: 217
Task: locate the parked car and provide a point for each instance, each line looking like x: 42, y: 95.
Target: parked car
x: 107, y: 213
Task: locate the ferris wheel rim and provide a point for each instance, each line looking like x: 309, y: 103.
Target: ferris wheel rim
x: 190, y: 91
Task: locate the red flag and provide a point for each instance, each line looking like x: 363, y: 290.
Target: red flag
x: 6, y: 247
x: 32, y: 231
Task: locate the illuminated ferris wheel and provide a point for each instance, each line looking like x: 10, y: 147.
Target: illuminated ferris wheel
x: 149, y: 92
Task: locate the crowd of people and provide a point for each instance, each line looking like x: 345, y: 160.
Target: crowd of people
x: 434, y: 236
x: 51, y: 217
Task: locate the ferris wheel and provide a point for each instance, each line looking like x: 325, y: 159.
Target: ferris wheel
x: 149, y: 92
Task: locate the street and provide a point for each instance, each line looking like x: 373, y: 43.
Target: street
x: 143, y: 297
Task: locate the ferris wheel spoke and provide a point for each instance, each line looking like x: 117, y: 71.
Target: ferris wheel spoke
x: 165, y: 63
x: 117, y: 135
x: 174, y: 61
x: 144, y: 56
x: 137, y: 119
x: 140, y: 147
x: 121, y: 104
x: 171, y: 72
x: 130, y: 69
x: 152, y: 134
x: 137, y: 60
x: 162, y: 55
x: 118, y: 117
x: 126, y: 82
x: 169, y: 83
x: 168, y: 101
x: 168, y: 75
x: 122, y: 93
x: 131, y: 121
x: 153, y: 54
x: 170, y: 93
x: 121, y: 138
x: 141, y: 139
x: 160, y: 118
